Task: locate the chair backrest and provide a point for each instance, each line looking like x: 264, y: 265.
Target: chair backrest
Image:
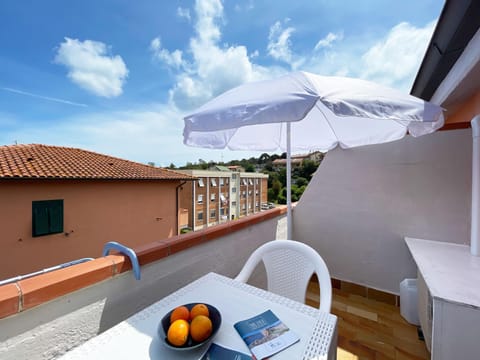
x: 289, y: 265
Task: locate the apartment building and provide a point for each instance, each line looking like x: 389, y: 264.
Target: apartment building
x: 220, y: 196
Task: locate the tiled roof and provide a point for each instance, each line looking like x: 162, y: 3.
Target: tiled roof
x: 54, y: 162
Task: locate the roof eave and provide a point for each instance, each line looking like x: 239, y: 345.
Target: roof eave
x: 457, y: 24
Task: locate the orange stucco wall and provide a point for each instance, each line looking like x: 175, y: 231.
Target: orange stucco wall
x: 95, y: 212
x: 466, y: 111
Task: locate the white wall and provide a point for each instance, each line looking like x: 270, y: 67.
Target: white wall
x: 362, y: 202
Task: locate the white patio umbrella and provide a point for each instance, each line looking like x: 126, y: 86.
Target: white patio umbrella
x: 304, y: 112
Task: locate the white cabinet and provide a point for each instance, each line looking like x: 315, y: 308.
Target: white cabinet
x: 448, y: 298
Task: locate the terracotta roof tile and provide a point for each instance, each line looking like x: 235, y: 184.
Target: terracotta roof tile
x: 36, y: 161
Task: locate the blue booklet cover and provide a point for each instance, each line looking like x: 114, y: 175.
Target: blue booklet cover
x: 265, y: 334
x: 217, y: 352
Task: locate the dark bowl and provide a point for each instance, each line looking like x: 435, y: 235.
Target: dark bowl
x: 214, y: 316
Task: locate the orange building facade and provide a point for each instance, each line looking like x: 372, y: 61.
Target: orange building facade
x: 136, y: 206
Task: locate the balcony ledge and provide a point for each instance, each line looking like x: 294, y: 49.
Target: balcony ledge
x: 28, y: 293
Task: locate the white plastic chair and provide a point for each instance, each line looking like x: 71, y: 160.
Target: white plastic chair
x: 289, y: 265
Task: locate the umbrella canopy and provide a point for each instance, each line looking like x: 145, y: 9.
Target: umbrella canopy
x: 321, y: 111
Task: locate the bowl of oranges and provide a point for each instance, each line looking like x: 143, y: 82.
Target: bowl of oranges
x: 189, y: 326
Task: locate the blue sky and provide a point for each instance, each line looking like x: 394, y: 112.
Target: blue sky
x: 117, y: 76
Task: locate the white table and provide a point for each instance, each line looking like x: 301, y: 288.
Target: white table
x: 136, y: 337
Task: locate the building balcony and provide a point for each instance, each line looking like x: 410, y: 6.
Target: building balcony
x: 355, y: 212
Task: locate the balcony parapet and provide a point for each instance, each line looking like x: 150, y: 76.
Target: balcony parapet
x: 29, y: 293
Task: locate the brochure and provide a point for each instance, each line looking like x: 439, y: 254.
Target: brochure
x: 265, y: 334
x: 217, y: 352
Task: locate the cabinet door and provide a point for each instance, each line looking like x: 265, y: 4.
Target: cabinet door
x: 455, y: 331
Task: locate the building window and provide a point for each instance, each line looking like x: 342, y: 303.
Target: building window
x: 200, y: 216
x: 200, y: 198
x: 234, y: 176
x: 213, y: 182
x: 244, y: 194
x: 47, y: 217
x: 244, y: 181
x: 234, y: 189
x: 222, y: 181
x: 234, y: 203
x: 222, y: 211
x: 256, y: 181
x: 244, y: 207
x: 212, y: 197
x: 256, y: 192
x: 226, y: 181
x: 250, y: 182
x: 200, y: 183
x: 250, y: 192
x: 213, y: 214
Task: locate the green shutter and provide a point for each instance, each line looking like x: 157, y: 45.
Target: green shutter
x: 47, y: 217
x: 56, y: 216
x: 40, y: 219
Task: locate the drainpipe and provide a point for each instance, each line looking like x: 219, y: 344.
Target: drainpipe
x: 177, y: 205
x: 475, y: 234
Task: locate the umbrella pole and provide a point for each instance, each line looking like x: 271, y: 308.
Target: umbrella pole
x: 289, y: 184
x: 475, y: 233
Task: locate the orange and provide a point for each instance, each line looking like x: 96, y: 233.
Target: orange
x: 200, y: 328
x: 180, y: 312
x: 177, y: 334
x: 199, y: 309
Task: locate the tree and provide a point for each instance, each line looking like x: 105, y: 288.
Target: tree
x: 172, y: 166
x: 308, y: 168
x: 276, y: 187
x: 271, y: 195
x: 282, y: 176
x: 268, y: 167
x: 301, y: 181
x: 264, y: 158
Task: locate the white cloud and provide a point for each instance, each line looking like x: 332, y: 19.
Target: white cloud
x: 244, y: 6
x: 209, y: 12
x: 327, y: 41
x: 91, y: 67
x: 396, y: 58
x: 213, y: 69
x: 173, y: 58
x: 392, y: 59
x: 184, y: 13
x: 279, y: 42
